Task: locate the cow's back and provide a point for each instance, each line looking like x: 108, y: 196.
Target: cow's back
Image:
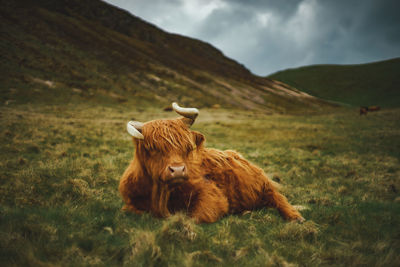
x: 242, y: 182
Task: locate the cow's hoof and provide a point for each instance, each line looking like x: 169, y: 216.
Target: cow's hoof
x: 130, y: 209
x: 246, y: 212
x: 300, y: 220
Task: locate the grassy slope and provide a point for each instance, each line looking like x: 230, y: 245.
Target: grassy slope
x: 59, y: 203
x: 89, y: 49
x: 360, y: 85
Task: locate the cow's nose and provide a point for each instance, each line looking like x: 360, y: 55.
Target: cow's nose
x: 177, y: 171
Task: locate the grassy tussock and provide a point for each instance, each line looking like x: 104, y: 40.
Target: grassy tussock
x: 179, y: 228
x: 59, y: 204
x: 144, y: 248
x: 298, y: 232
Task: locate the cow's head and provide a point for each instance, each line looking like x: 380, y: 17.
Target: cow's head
x: 167, y: 149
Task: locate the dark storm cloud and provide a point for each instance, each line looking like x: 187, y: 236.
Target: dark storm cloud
x: 283, y: 8
x: 355, y: 32
x: 271, y: 35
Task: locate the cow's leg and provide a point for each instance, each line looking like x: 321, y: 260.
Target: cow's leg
x: 208, y: 204
x: 131, y: 208
x: 280, y: 202
x: 133, y: 195
x: 159, y: 200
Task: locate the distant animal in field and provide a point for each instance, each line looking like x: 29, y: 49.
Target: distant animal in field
x: 374, y: 108
x: 173, y: 171
x: 167, y: 108
x: 365, y: 110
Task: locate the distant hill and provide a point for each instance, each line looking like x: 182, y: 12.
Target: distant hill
x: 375, y: 83
x: 72, y: 50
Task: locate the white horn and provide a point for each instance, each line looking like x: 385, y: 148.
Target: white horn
x: 133, y: 128
x: 186, y: 112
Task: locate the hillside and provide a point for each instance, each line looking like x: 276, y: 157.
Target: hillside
x: 69, y: 50
x: 375, y: 83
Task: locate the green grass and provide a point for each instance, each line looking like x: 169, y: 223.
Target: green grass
x: 59, y: 200
x: 370, y: 84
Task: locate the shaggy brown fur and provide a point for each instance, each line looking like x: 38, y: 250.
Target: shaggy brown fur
x: 216, y: 182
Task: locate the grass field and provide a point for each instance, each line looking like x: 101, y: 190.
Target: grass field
x: 61, y: 164
x: 375, y: 83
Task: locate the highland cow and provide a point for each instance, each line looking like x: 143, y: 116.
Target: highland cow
x: 173, y: 171
x: 365, y: 110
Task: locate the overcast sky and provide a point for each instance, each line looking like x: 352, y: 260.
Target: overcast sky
x: 271, y: 35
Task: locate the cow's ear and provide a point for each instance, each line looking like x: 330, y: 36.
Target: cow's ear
x: 198, y: 138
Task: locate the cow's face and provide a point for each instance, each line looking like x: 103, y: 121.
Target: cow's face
x: 167, y: 149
